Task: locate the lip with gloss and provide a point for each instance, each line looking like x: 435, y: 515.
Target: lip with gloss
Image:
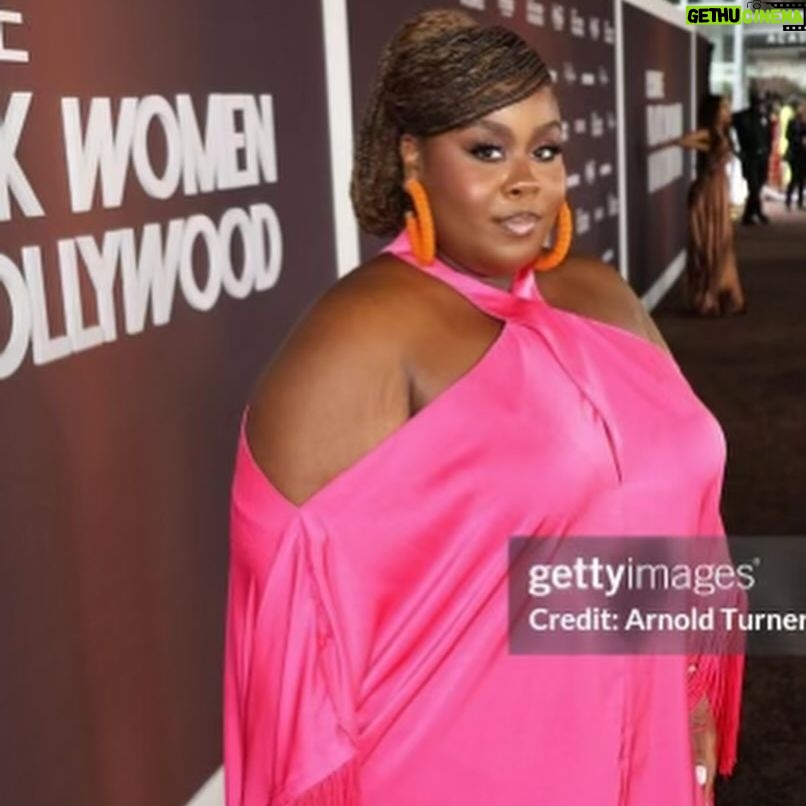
x: 520, y: 225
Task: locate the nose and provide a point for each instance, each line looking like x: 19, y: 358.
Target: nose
x: 523, y: 178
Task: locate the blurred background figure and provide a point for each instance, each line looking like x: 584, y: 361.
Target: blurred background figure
x: 786, y: 114
x: 755, y: 144
x: 713, y: 287
x: 775, y: 178
x: 796, y: 155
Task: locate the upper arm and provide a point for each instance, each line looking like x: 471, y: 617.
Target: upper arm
x: 620, y: 305
x: 652, y: 332
x: 639, y: 319
x: 699, y: 139
x: 336, y: 387
x: 642, y: 322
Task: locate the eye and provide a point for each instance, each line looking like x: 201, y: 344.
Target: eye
x: 548, y: 152
x: 485, y: 151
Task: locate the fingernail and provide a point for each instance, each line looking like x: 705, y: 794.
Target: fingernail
x: 701, y: 771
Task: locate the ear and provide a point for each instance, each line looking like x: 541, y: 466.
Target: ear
x: 410, y: 156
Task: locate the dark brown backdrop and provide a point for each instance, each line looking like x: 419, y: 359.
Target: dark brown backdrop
x: 116, y: 461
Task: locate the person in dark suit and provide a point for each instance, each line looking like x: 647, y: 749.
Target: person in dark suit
x: 796, y: 155
x: 755, y: 143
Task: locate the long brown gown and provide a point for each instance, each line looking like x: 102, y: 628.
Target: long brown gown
x: 712, y: 277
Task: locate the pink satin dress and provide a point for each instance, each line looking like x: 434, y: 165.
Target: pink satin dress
x: 366, y: 640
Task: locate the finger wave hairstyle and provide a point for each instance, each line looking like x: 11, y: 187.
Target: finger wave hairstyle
x: 440, y: 71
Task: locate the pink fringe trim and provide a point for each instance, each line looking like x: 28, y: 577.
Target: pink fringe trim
x: 719, y: 678
x: 340, y: 788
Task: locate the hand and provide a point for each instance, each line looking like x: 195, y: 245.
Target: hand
x: 704, y: 745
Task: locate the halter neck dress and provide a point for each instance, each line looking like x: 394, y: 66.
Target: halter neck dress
x: 366, y: 654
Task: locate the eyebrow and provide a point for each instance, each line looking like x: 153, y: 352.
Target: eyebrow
x: 504, y: 131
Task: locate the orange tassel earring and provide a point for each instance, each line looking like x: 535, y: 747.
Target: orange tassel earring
x: 562, y: 241
x: 420, y: 224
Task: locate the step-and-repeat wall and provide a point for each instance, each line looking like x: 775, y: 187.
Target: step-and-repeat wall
x: 165, y: 218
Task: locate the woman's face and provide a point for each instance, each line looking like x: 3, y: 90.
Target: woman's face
x: 494, y: 186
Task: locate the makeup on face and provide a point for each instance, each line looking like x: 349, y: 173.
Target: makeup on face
x: 496, y: 183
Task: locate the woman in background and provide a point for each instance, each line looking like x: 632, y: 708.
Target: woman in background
x: 712, y: 277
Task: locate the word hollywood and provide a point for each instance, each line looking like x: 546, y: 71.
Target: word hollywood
x: 233, y: 147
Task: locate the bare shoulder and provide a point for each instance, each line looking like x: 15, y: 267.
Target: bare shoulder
x: 600, y: 292
x: 337, y: 385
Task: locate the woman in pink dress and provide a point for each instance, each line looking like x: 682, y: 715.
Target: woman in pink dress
x: 464, y: 386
